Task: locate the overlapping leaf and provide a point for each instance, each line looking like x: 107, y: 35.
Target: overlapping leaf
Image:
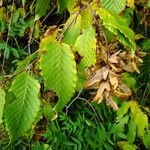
x: 115, y: 6
x: 2, y: 102
x: 119, y: 27
x: 21, y: 113
x: 86, y: 45
x: 59, y: 71
x: 73, y: 32
x: 62, y: 4
x: 41, y: 8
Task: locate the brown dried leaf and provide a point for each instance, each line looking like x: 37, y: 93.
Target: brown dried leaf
x: 112, y: 103
x: 123, y: 91
x: 113, y: 58
x: 123, y: 54
x: 114, y: 67
x: 105, y: 72
x: 128, y: 67
x: 103, y: 86
x: 141, y: 54
x: 1, y: 3
x: 135, y: 67
x: 96, y: 78
x: 113, y: 80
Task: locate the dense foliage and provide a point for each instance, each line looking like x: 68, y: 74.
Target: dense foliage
x: 75, y: 74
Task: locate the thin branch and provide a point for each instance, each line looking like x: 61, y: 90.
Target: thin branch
x: 91, y: 108
x: 7, y: 37
x: 30, y: 11
x: 49, y: 14
x: 30, y: 39
x: 77, y: 97
x: 144, y: 94
x: 73, y: 21
x: 24, y: 69
x: 35, y: 41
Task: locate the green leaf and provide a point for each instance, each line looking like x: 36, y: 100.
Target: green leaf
x: 62, y: 4
x: 86, y: 18
x: 59, y: 71
x: 129, y: 147
x: 15, y: 16
x: 41, y: 8
x: 4, y: 46
x: 2, y: 26
x: 115, y: 6
x: 123, y: 110
x: 141, y: 121
x: 86, y: 45
x: 129, y: 81
x: 73, y: 32
x: 2, y: 102
x: 118, y: 25
x: 24, y: 64
x: 145, y: 45
x: 48, y: 111
x: 131, y: 135
x: 21, y: 113
x: 146, y: 140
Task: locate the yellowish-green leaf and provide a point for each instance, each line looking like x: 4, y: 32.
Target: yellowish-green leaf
x: 118, y: 25
x: 141, y: 122
x: 86, y: 45
x: 125, y: 145
x: 130, y: 3
x: 115, y: 6
x: 2, y: 102
x: 135, y: 109
x: 48, y: 112
x: 21, y: 113
x: 86, y: 18
x: 59, y: 71
x: 73, y: 32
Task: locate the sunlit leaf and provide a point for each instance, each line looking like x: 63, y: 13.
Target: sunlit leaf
x: 125, y: 145
x: 141, y: 121
x: 118, y: 25
x: 114, y: 5
x: 86, y: 45
x: 59, y: 71
x: 71, y: 35
x: 130, y: 3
